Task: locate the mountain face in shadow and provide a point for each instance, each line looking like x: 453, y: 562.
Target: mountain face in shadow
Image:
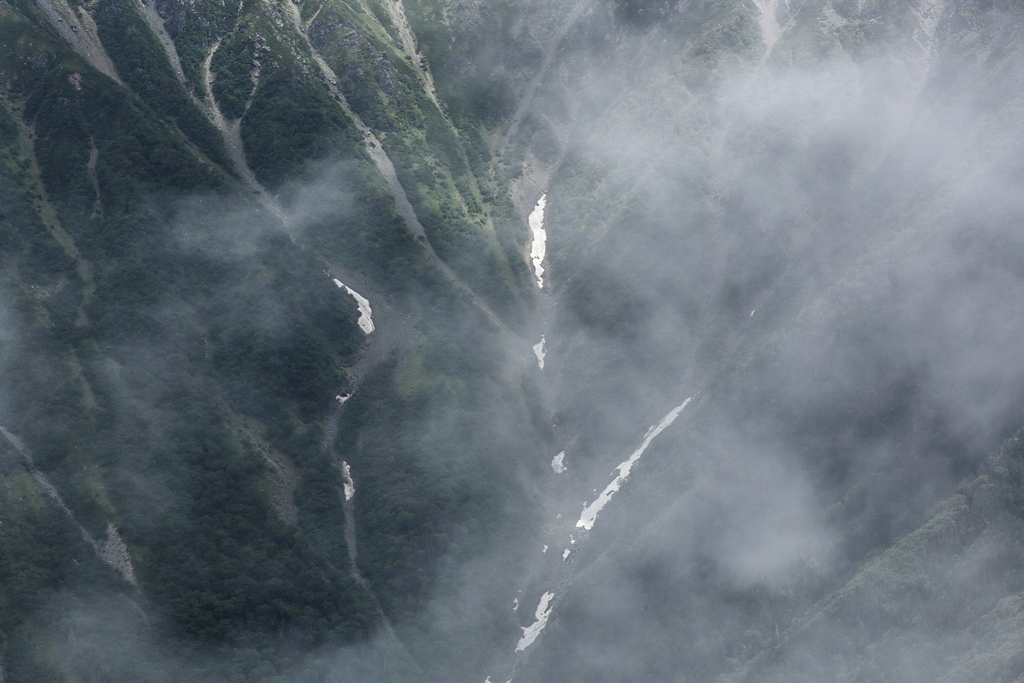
x: 540, y: 340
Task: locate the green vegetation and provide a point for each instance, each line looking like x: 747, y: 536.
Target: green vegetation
x: 232, y: 68
x: 154, y: 306
x: 431, y: 160
x: 474, y: 80
x: 195, y: 27
x: 42, y: 559
x: 231, y: 574
x: 140, y: 61
x: 290, y: 123
x: 121, y: 375
x: 170, y: 351
x: 438, y: 499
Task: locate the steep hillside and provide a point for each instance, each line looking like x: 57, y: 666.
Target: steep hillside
x: 182, y: 186
x: 331, y: 332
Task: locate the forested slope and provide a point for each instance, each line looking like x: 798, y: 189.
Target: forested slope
x: 798, y: 221
x: 172, y: 348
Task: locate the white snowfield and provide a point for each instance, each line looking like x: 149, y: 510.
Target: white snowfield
x: 590, y: 511
x: 346, y: 476
x: 538, y: 350
x: 539, y: 247
x: 558, y: 464
x: 365, y: 321
x: 531, y: 632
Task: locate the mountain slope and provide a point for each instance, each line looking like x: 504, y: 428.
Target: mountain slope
x: 783, y: 236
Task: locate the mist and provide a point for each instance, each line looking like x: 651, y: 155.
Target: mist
x: 779, y: 330
x: 813, y: 248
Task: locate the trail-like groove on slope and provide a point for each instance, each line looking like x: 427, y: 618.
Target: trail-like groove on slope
x: 561, y: 581
x: 407, y: 42
x: 113, y: 551
x: 156, y: 25
x: 48, y: 217
x: 90, y: 167
x: 370, y: 142
x: 387, y: 169
x: 231, y: 131
x: 393, y: 333
x: 396, y: 10
x: 769, y: 22
x: 349, y: 506
x: 79, y: 29
x: 548, y: 57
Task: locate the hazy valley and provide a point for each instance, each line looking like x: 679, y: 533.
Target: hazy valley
x: 524, y: 340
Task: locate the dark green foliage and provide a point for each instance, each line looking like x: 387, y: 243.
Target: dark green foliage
x: 291, y: 123
x: 127, y: 356
x: 42, y: 558
x: 474, y: 69
x: 135, y: 153
x: 232, y: 67
x: 195, y: 27
x: 321, y: 516
x: 605, y: 305
x: 429, y: 469
x: 232, y: 574
x: 142, y: 64
x: 430, y: 160
x: 283, y: 339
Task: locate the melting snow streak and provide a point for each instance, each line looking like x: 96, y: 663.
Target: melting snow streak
x: 346, y: 477
x: 531, y: 632
x: 365, y: 321
x: 590, y: 511
x: 557, y: 463
x: 539, y: 247
x: 538, y: 350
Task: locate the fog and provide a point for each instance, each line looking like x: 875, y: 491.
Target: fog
x: 830, y: 253
x: 779, y: 311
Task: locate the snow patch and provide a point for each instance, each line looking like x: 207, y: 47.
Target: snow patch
x: 545, y: 549
x: 346, y: 476
x: 531, y: 632
x: 538, y: 350
x: 515, y: 604
x: 557, y: 463
x: 365, y: 321
x: 590, y: 511
x: 565, y: 555
x: 539, y: 247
